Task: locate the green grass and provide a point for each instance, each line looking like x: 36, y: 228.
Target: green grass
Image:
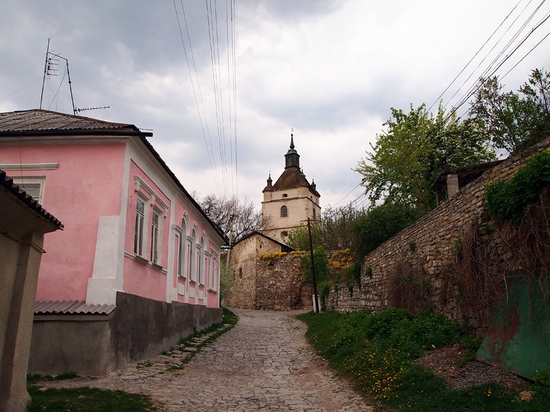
x: 229, y: 317
x: 376, y: 352
x: 87, y: 400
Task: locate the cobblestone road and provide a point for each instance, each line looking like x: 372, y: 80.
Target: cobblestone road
x: 262, y: 364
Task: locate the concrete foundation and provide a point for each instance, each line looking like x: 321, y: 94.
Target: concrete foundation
x: 91, y: 344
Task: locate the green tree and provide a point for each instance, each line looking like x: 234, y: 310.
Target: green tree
x: 514, y: 121
x: 380, y: 224
x: 322, y: 271
x: 227, y: 279
x: 415, y: 147
x: 298, y: 237
x: 334, y: 231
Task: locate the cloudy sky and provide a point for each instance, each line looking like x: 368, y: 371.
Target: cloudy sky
x: 223, y: 83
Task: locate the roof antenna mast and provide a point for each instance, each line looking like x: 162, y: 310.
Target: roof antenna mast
x: 49, y: 70
x: 45, y: 72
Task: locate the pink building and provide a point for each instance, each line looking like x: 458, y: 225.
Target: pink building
x: 134, y: 238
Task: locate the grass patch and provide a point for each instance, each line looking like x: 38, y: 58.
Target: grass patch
x: 87, y: 400
x: 376, y: 352
x: 229, y: 317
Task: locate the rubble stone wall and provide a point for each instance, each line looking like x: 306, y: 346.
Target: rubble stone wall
x: 427, y: 250
x: 280, y: 284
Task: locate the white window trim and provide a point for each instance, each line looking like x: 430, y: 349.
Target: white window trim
x: 32, y: 180
x: 181, y: 255
x: 139, y: 184
x: 147, y: 195
x: 155, y: 252
x: 144, y: 228
x: 29, y: 166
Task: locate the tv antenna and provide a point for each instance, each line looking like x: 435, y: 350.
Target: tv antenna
x: 50, y: 69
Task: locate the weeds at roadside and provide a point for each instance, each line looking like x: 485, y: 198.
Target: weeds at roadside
x: 87, y: 400
x: 376, y: 352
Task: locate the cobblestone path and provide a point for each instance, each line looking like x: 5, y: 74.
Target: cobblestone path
x: 263, y: 364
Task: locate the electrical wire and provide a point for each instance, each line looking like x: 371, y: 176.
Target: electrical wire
x: 197, y: 93
x: 490, y: 71
x: 474, y: 56
x: 22, y: 88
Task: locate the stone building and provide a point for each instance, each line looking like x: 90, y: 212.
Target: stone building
x: 265, y: 276
x: 290, y: 201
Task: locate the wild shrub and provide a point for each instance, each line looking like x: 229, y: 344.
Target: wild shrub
x: 377, y: 352
x: 509, y: 200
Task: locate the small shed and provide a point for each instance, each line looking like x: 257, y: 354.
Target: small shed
x: 23, y: 223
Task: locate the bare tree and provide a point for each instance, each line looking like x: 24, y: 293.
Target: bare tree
x: 232, y: 215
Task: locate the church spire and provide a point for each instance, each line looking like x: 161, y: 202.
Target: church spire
x: 292, y: 158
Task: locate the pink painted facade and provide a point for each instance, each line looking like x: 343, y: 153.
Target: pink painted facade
x: 130, y: 226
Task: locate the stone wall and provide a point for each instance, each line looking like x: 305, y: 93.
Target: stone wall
x: 265, y: 277
x: 425, y: 254
x: 280, y: 284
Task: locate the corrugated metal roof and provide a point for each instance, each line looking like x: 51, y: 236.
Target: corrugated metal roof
x: 48, y: 121
x: 71, y: 307
x: 25, y: 198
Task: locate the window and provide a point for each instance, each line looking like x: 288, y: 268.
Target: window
x: 150, y: 213
x: 202, y: 259
x: 314, y: 216
x: 140, y: 219
x: 155, y: 238
x: 189, y: 261
x: 284, y: 211
x: 284, y: 233
x: 180, y: 255
x: 285, y: 195
x: 193, y: 257
x: 33, y: 186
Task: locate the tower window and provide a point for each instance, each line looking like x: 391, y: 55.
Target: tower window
x: 284, y: 233
x: 284, y: 211
x: 285, y: 195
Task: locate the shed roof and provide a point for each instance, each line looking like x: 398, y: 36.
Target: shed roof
x: 465, y: 174
x: 71, y: 307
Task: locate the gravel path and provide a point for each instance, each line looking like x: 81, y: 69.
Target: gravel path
x: 262, y: 364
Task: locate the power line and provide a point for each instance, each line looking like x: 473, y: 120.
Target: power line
x: 474, y: 56
x: 195, y: 79
x: 350, y: 192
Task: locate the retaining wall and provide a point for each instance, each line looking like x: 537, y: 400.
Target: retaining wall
x: 426, y: 253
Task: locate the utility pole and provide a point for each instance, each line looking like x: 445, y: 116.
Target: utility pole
x: 315, y: 300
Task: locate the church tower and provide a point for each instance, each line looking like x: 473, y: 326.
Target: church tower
x: 290, y: 201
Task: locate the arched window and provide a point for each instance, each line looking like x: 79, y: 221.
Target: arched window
x: 284, y: 211
x: 182, y: 255
x: 193, y: 256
